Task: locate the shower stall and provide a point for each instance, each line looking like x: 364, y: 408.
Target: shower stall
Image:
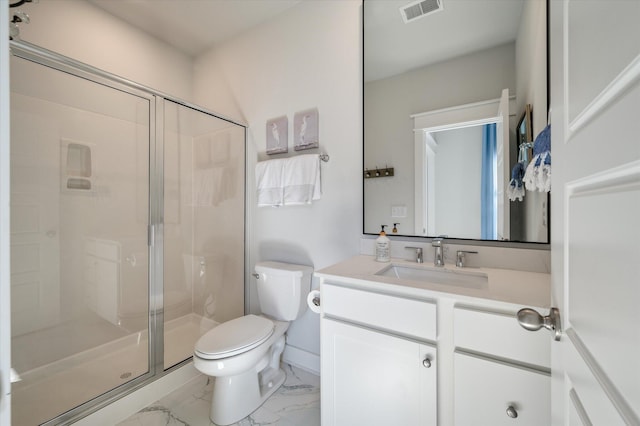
x: 127, y: 233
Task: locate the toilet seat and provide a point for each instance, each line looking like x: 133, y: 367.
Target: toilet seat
x: 234, y: 337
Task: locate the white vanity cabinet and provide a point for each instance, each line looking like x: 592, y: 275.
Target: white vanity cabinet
x: 501, y: 371
x: 379, y: 365
x: 408, y: 351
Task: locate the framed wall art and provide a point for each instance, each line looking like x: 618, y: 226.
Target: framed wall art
x: 305, y: 130
x: 277, y: 135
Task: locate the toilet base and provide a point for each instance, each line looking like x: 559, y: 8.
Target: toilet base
x: 235, y: 397
x: 229, y: 407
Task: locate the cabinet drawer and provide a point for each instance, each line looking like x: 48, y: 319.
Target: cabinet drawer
x: 408, y: 317
x: 500, y: 335
x: 485, y: 390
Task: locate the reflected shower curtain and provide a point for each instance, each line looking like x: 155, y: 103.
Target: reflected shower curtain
x: 488, y: 183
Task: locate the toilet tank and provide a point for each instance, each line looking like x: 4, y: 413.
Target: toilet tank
x: 283, y: 289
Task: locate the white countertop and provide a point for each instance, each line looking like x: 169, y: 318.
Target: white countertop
x: 504, y: 285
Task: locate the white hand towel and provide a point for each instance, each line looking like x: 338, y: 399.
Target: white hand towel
x: 269, y: 181
x: 301, y: 179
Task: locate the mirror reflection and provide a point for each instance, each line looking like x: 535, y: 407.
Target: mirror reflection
x: 443, y: 95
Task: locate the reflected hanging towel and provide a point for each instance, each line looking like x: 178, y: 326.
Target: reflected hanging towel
x: 538, y: 174
x: 515, y: 191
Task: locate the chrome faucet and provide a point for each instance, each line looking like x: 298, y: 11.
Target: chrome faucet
x: 418, y: 250
x: 438, y: 258
x: 460, y: 257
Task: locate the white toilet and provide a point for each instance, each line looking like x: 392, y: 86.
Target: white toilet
x: 244, y: 354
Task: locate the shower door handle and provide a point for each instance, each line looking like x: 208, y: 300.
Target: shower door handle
x: 151, y: 239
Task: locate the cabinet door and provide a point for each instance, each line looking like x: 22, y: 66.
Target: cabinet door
x: 493, y: 393
x: 372, y: 378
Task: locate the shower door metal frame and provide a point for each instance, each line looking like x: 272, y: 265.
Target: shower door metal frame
x: 155, y: 241
x: 5, y: 279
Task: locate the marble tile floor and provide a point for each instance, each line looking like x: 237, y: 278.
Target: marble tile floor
x: 296, y: 403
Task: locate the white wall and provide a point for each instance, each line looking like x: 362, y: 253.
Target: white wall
x: 531, y: 86
x: 389, y: 130
x: 307, y: 57
x: 84, y: 32
x: 531, y: 63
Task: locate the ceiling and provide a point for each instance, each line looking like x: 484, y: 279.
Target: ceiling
x: 391, y: 46
x: 194, y: 26
x: 463, y: 26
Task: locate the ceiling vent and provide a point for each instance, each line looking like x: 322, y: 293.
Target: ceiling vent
x: 419, y: 9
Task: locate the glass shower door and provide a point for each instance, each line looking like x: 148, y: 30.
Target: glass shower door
x: 79, y: 252
x: 203, y: 226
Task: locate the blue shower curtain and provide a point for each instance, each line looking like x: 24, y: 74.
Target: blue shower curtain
x: 488, y: 203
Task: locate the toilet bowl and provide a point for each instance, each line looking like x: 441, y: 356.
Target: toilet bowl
x: 238, y: 388
x: 244, y: 354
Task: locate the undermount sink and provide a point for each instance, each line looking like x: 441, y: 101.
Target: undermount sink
x: 436, y: 276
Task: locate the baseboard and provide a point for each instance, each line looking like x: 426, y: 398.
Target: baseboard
x: 302, y: 359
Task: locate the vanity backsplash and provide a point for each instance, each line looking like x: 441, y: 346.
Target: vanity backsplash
x: 519, y: 259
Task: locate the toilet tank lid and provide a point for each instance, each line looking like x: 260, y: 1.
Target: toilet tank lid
x: 281, y: 268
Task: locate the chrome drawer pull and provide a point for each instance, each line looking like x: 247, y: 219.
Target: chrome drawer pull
x: 511, y: 412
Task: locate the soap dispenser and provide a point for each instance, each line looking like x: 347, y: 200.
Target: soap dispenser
x: 383, y: 245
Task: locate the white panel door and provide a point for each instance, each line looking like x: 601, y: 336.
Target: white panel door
x: 595, y: 239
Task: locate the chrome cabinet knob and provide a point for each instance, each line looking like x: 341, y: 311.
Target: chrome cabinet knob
x: 511, y: 412
x: 531, y: 320
x: 426, y: 362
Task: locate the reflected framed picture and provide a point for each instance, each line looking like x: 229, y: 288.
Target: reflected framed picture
x: 277, y: 135
x: 305, y: 130
x: 524, y: 128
